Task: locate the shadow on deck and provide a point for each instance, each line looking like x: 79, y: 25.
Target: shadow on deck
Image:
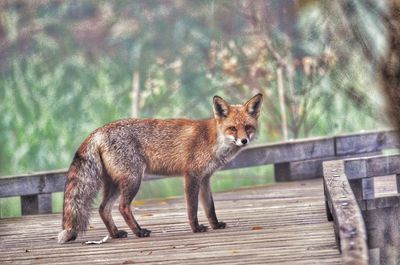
x: 283, y: 223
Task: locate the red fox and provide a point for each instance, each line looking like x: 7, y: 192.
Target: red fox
x: 117, y: 155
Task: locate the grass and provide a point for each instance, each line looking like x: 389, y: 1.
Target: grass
x: 10, y: 207
x: 163, y: 188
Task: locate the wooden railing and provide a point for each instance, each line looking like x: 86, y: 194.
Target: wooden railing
x: 366, y: 222
x: 293, y: 160
x: 342, y: 208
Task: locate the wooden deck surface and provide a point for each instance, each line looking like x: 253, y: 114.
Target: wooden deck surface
x: 283, y: 223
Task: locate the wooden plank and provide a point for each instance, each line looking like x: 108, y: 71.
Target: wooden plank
x: 385, y: 186
x: 308, y: 169
x: 383, y: 202
x: 358, y: 168
x: 366, y: 142
x: 284, y: 152
x: 349, y: 224
x: 54, y: 181
x: 383, y: 228
x: 278, y: 153
x: 40, y: 183
x: 355, y: 168
x: 383, y: 165
x: 276, y: 224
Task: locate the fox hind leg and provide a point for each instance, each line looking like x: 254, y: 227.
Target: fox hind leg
x: 110, y: 194
x: 129, y: 188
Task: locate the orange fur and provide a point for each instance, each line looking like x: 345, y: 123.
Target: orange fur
x: 118, y: 154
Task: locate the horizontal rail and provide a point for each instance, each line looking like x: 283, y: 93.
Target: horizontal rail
x: 297, y: 150
x: 343, y: 209
x: 315, y: 148
x: 364, y: 173
x: 366, y: 167
x: 40, y: 183
x: 284, y: 152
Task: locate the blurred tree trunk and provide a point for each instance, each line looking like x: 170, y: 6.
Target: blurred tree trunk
x: 136, y: 94
x: 286, y: 16
x: 282, y: 104
x: 286, y: 21
x: 136, y: 79
x: 390, y: 67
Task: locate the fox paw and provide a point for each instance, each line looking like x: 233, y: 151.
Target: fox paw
x: 67, y: 235
x: 219, y: 225
x: 200, y: 229
x: 120, y: 234
x: 142, y: 232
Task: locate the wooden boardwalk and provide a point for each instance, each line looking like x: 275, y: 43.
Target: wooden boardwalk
x: 283, y: 223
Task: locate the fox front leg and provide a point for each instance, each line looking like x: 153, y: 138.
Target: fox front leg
x: 192, y: 196
x: 208, y: 204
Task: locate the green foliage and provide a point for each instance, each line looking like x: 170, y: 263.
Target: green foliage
x: 48, y: 111
x: 66, y: 68
x: 10, y: 207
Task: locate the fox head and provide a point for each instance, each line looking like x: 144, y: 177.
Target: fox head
x: 237, y: 124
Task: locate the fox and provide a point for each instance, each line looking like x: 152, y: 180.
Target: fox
x: 116, y: 156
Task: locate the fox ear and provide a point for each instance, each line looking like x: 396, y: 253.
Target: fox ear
x: 221, y: 107
x: 253, y: 106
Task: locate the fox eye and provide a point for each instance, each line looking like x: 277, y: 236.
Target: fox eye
x: 233, y: 129
x: 248, y: 128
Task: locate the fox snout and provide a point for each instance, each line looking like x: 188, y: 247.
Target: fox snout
x: 242, y: 142
x: 236, y: 140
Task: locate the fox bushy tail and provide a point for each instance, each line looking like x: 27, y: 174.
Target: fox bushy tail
x: 83, y: 182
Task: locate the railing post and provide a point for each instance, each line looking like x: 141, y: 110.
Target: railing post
x: 282, y: 172
x: 36, y: 204
x: 298, y: 170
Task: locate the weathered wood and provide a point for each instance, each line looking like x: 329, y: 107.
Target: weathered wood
x: 368, y: 188
x: 316, y: 148
x: 54, y: 181
x: 385, y: 186
x: 42, y: 182
x: 376, y: 193
x: 36, y: 204
x: 309, y: 149
x: 284, y: 152
x: 283, y: 172
x: 365, y: 143
x: 276, y: 224
x: 358, y: 168
x: 39, y: 183
x: 299, y: 170
x: 382, y: 202
x: 348, y: 221
x: 383, y: 227
x: 309, y: 169
x: 362, y: 174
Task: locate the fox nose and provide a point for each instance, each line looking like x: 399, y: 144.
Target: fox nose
x: 244, y: 141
